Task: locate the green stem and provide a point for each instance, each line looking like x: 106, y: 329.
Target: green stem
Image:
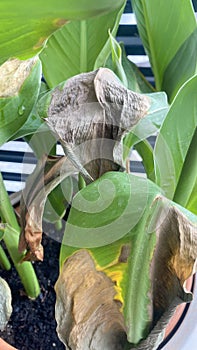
x: 146, y: 152
x: 11, y: 239
x: 81, y: 182
x: 4, y: 262
x: 58, y: 225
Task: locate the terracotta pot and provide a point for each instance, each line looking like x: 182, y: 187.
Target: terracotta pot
x: 5, y: 346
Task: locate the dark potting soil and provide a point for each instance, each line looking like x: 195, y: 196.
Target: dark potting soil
x: 32, y: 325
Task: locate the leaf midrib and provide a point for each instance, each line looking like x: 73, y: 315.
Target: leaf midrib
x: 83, y: 47
x: 151, y: 46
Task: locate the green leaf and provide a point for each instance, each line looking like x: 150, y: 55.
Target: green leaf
x: 186, y: 193
x: 58, y: 200
x: 164, y: 27
x: 175, y: 151
x: 11, y: 239
x: 181, y: 67
x: 150, y: 124
x: 116, y: 55
x: 109, y: 216
x: 97, y: 221
x: 132, y: 233
x: 135, y: 79
x: 74, y: 48
x: 19, y: 89
x: 24, y: 26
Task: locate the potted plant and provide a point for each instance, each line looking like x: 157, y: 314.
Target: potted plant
x: 129, y: 243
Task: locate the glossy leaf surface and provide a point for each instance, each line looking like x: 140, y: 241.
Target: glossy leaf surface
x: 122, y: 221
x: 166, y: 28
x: 136, y: 81
x: 24, y: 26
x: 175, y: 150
x: 75, y: 47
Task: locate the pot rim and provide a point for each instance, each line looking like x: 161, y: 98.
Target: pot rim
x: 184, y: 335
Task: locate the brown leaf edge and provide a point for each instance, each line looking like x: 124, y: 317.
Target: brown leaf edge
x: 173, y: 262
x: 87, y: 315
x: 49, y: 172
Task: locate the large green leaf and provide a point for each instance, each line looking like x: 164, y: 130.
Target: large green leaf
x: 175, y: 150
x: 124, y: 223
x: 106, y: 216
x: 164, y: 27
x: 19, y: 89
x: 74, y: 48
x: 181, y: 67
x: 24, y: 26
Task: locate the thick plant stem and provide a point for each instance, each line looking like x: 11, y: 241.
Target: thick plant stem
x: 11, y: 238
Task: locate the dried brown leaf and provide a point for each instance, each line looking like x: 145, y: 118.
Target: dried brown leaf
x: 49, y: 172
x: 174, y: 257
x: 90, y: 115
x: 87, y: 315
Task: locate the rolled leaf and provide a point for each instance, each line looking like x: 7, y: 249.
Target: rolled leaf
x: 49, y: 172
x: 90, y: 114
x: 135, y: 80
x: 116, y: 55
x: 96, y: 321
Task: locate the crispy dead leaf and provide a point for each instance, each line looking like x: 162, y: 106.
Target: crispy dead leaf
x: 173, y: 263
x: 49, y: 172
x: 87, y: 315
x: 174, y: 257
x: 90, y: 115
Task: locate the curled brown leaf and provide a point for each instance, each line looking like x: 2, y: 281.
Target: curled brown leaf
x: 49, y: 172
x: 90, y: 115
x: 87, y: 315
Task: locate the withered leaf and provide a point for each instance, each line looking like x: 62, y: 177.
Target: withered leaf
x: 174, y: 261
x: 5, y: 303
x: 87, y: 315
x: 49, y: 172
x: 90, y: 116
